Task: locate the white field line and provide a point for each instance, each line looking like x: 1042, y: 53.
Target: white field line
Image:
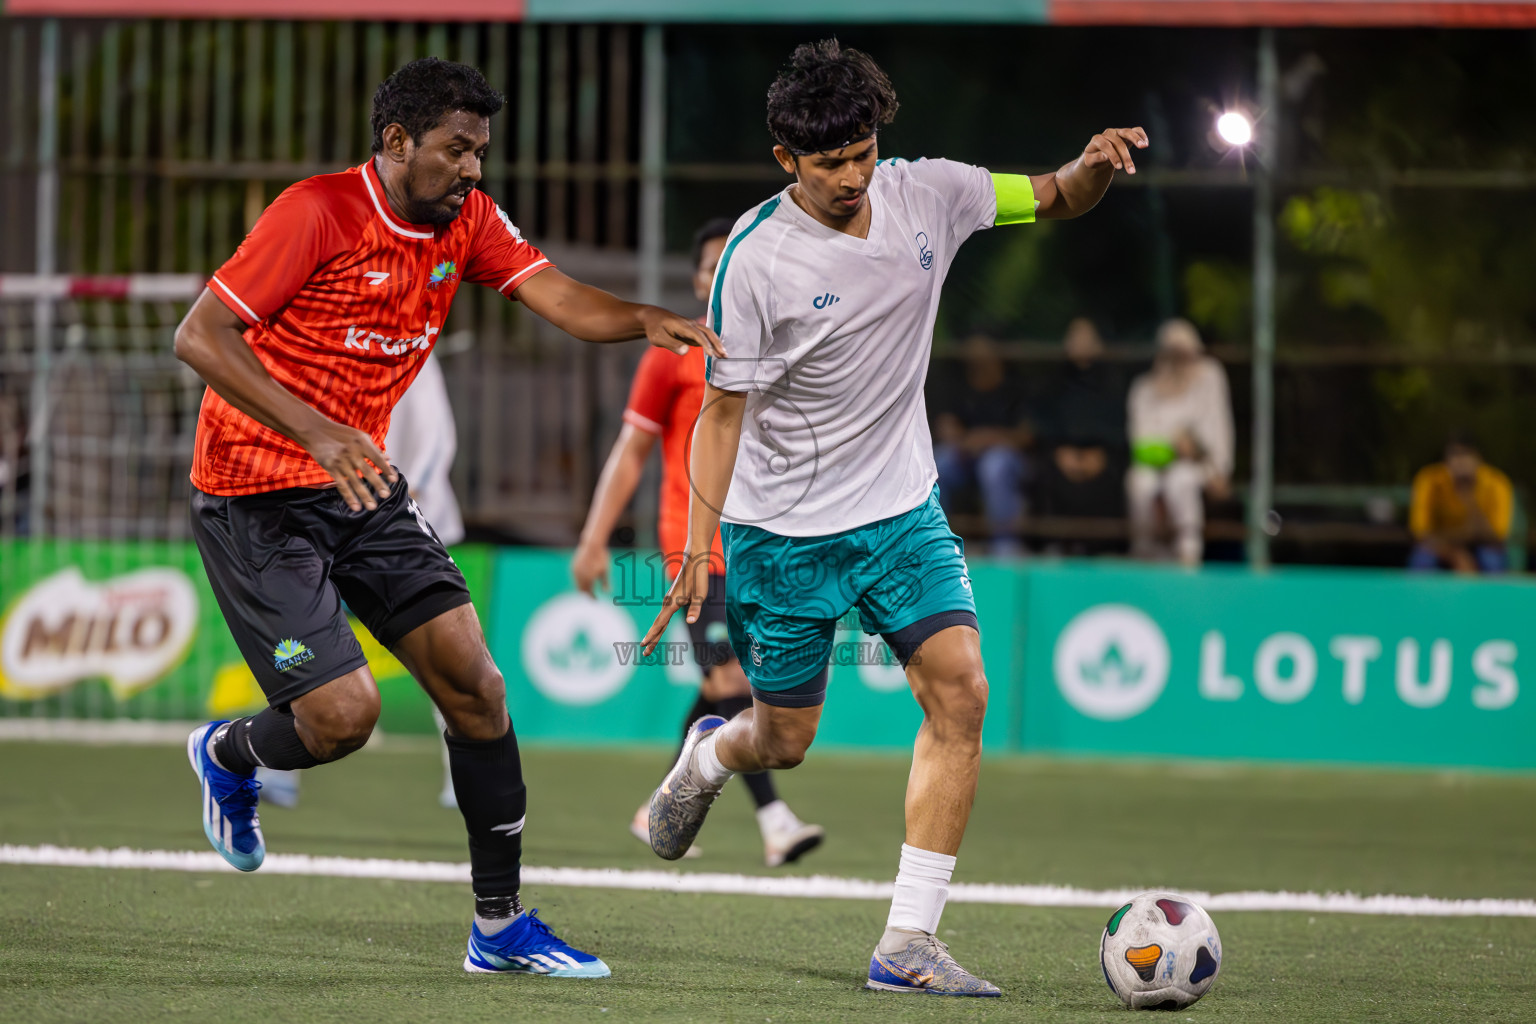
x: 812, y: 887
x: 143, y: 732
x: 128, y: 732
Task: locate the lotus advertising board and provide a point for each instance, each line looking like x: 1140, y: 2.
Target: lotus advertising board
x: 1091, y: 658
x: 575, y: 673
x: 1297, y: 665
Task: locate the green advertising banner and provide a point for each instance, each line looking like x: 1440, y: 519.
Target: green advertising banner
x: 1298, y: 665
x: 103, y: 630
x: 574, y: 673
x: 1091, y: 658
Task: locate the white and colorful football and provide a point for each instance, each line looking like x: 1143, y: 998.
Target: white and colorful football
x: 1160, y: 952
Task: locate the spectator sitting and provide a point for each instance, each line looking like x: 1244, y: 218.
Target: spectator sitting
x: 1181, y: 444
x: 1085, y: 431
x: 981, y: 436
x: 1460, y: 513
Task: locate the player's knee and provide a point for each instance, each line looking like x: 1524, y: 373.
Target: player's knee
x: 478, y: 710
x: 958, y: 705
x: 332, y: 731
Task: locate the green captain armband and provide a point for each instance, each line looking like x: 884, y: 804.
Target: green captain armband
x: 1015, y: 199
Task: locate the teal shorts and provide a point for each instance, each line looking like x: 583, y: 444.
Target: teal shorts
x: 786, y: 595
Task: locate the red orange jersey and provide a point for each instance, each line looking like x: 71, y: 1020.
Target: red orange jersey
x: 344, y: 301
x: 664, y: 400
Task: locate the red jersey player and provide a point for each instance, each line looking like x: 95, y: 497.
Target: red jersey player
x: 664, y: 402
x: 306, y: 338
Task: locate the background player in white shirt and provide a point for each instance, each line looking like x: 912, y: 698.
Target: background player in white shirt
x: 813, y: 442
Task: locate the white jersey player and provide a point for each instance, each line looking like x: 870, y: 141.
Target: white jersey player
x: 812, y: 452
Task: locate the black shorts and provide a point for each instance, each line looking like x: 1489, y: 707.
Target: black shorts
x: 711, y: 639
x: 282, y: 563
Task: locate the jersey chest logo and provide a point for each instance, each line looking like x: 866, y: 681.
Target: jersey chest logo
x: 924, y: 254
x: 824, y: 301
x: 445, y: 272
x: 364, y: 339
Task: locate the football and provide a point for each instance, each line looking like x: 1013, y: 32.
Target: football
x: 1160, y: 951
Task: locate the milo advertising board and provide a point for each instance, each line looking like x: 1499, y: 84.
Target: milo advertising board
x: 101, y: 630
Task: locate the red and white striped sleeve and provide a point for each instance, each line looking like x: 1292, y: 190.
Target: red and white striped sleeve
x: 500, y: 256
x: 653, y: 392
x: 293, y: 238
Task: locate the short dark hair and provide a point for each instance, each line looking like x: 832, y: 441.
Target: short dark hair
x: 1463, y: 440
x: 828, y: 97
x: 419, y: 95
x: 717, y: 227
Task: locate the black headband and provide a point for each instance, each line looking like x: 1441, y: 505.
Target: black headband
x: 852, y: 141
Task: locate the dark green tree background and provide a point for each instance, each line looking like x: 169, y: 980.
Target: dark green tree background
x: 1407, y: 210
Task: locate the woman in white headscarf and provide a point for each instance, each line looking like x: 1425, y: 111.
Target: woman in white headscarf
x: 1180, y: 426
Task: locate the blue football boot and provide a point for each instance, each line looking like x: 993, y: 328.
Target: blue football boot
x: 527, y: 946
x: 229, y: 805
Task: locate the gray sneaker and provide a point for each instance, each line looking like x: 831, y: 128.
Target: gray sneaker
x: 925, y: 965
x: 682, y: 800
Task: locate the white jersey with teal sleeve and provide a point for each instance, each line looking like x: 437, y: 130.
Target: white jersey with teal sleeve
x: 830, y: 335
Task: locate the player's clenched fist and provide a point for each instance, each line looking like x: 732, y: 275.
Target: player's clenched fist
x: 1113, y: 146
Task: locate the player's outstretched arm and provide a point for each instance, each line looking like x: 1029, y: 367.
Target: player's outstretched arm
x: 1077, y: 187
x: 211, y: 340
x: 716, y: 436
x: 592, y: 314
x: 615, y: 486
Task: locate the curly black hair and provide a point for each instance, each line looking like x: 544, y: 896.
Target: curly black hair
x: 420, y: 94
x: 828, y: 97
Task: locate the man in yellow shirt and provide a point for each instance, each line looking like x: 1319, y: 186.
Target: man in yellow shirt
x: 1460, y: 513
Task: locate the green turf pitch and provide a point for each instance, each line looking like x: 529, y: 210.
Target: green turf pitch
x: 87, y: 944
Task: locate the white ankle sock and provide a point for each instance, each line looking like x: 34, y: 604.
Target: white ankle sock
x: 922, y: 886
x: 708, y: 763
x: 776, y: 817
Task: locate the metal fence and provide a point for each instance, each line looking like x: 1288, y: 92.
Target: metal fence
x: 167, y: 138
x: 166, y: 141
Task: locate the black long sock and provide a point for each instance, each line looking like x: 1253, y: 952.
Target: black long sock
x: 488, y: 778
x: 267, y: 740
x: 759, y: 783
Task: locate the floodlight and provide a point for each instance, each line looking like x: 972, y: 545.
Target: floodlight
x: 1234, y: 128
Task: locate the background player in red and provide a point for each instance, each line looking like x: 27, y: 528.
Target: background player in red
x: 664, y: 402
x: 306, y: 338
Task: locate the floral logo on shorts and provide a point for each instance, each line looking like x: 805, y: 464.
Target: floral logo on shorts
x: 289, y: 653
